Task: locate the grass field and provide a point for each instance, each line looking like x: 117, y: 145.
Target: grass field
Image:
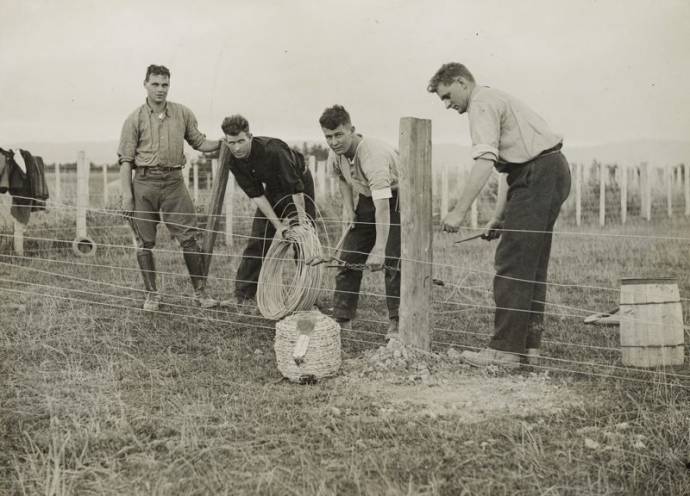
x: 99, y: 397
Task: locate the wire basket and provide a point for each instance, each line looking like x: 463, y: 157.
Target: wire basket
x: 307, y: 346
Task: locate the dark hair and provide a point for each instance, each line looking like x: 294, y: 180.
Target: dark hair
x: 234, y: 125
x: 447, y: 74
x: 334, y: 116
x: 156, y: 70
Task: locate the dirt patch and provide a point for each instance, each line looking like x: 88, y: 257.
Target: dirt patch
x: 412, y: 383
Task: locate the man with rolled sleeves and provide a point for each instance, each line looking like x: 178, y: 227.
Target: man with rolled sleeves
x: 534, y: 181
x: 277, y: 180
x: 151, y: 145
x: 367, y: 172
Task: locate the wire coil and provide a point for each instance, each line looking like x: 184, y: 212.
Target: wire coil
x: 286, y: 282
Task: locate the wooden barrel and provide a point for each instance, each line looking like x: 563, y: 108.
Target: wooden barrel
x: 651, y: 322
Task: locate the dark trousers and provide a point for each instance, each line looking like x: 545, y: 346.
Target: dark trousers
x: 536, y: 191
x: 356, y: 248
x: 262, y: 236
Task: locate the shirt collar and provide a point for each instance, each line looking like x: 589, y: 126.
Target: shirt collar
x: 166, y: 109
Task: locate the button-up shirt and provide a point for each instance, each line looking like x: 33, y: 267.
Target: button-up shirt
x: 272, y: 169
x: 372, y: 172
x: 504, y: 129
x: 149, y: 138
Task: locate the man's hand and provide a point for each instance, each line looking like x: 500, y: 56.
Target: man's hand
x: 492, y: 230
x: 452, y: 221
x: 376, y: 258
x: 127, y: 204
x: 282, y: 230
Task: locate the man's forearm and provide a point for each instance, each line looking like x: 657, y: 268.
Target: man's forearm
x: 298, y: 200
x: 479, y: 175
x: 501, y: 196
x: 383, y: 222
x: 126, y: 179
x: 265, y: 206
x: 209, y: 146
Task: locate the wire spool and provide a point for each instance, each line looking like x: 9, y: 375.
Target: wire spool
x: 307, y: 346
x: 286, y: 282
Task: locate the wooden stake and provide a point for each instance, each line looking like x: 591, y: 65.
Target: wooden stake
x: 686, y: 188
x: 578, y: 192
x: 624, y: 192
x: 214, y: 208
x: 82, y: 193
x: 602, y: 194
x: 416, y: 232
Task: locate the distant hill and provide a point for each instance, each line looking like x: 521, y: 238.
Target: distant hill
x: 632, y: 152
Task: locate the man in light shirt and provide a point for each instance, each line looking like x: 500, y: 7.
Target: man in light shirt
x: 367, y: 170
x: 151, y: 145
x: 534, y: 181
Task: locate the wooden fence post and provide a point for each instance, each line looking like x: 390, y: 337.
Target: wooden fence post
x: 321, y: 178
x: 578, y: 193
x: 18, y: 237
x: 686, y: 188
x: 105, y: 186
x: 416, y: 232
x: 57, y: 196
x: 624, y: 192
x: 229, y: 197
x: 214, y: 208
x: 185, y: 177
x: 602, y: 194
x: 444, y: 190
x: 82, y: 193
x: 668, y: 172
x: 645, y: 191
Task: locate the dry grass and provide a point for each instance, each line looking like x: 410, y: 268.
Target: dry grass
x: 101, y: 399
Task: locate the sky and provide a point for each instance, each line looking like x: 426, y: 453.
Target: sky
x: 597, y: 71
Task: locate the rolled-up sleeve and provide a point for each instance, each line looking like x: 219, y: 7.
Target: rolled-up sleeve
x: 376, y: 166
x: 129, y: 137
x: 192, y: 135
x: 485, y: 130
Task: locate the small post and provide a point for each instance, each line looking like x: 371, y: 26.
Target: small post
x: 416, y: 232
x: 602, y: 194
x: 57, y: 196
x: 645, y: 191
x: 229, y: 197
x: 624, y: 192
x: 18, y: 237
x: 444, y: 190
x: 214, y: 171
x: 185, y: 177
x: 668, y: 172
x: 105, y: 186
x: 578, y: 193
x: 82, y: 193
x: 195, y: 173
x: 320, y: 178
x: 686, y: 188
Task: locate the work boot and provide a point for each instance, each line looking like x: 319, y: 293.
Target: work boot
x: 533, y: 357
x: 148, y: 274
x: 489, y: 356
x: 195, y: 266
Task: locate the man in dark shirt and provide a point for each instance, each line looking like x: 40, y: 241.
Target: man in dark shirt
x: 151, y: 144
x: 276, y: 179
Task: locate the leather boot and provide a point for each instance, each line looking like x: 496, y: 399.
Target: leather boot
x: 148, y: 274
x: 195, y: 266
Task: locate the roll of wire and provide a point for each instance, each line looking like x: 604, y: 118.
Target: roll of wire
x: 286, y: 282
